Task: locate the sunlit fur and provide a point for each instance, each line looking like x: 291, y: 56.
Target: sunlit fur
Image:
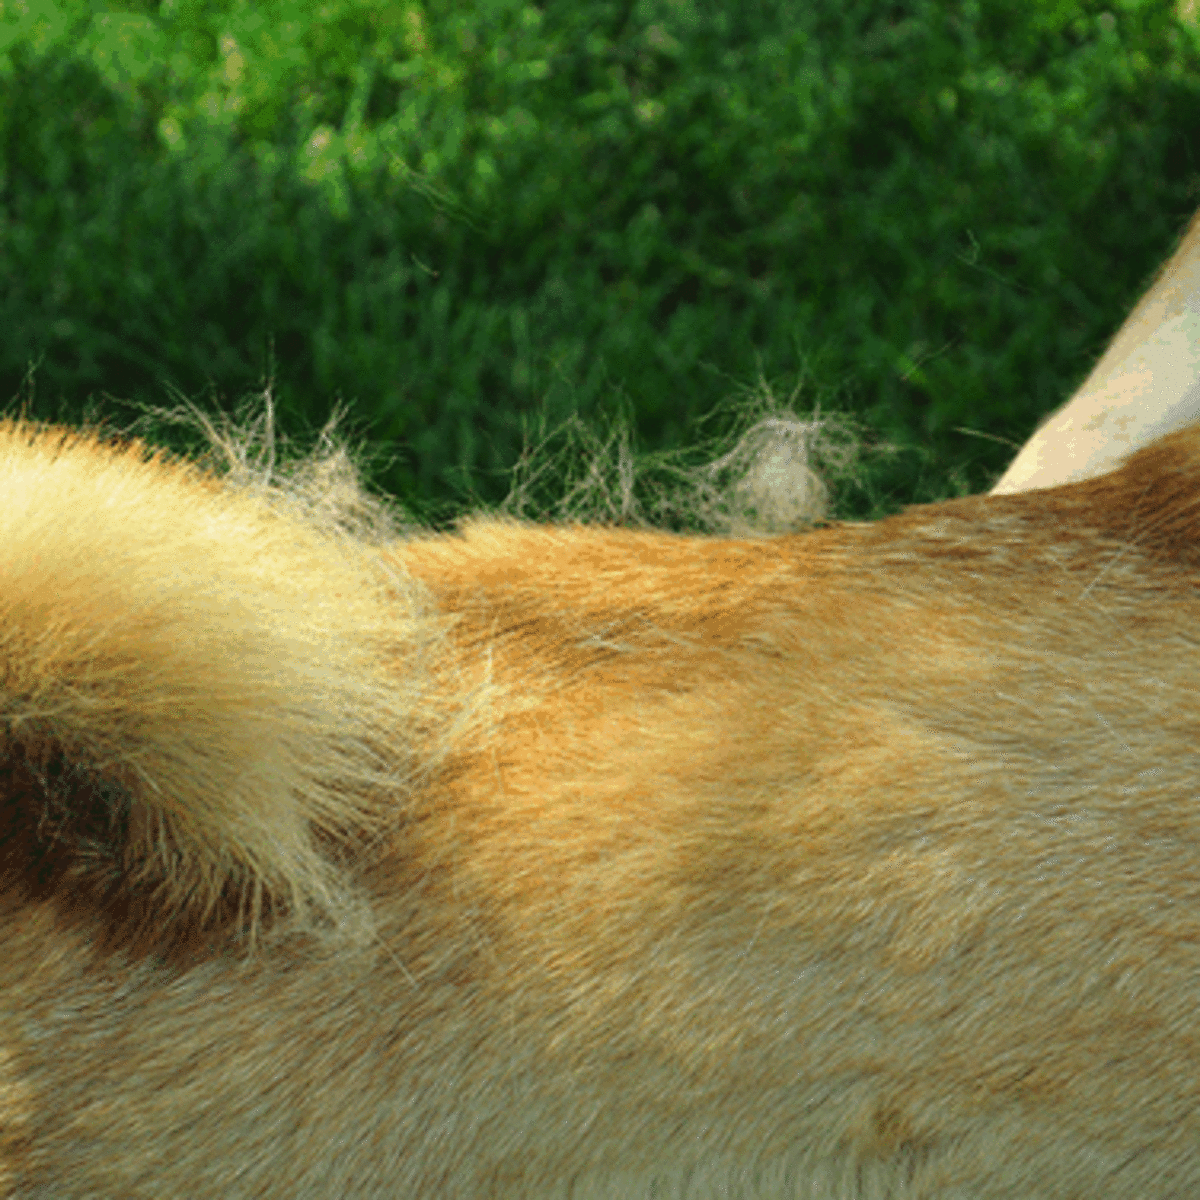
x: 341, y: 859
x: 1145, y: 385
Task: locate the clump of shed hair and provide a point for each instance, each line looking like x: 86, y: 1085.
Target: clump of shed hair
x: 199, y: 749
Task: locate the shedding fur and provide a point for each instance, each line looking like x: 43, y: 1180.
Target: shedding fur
x: 343, y: 858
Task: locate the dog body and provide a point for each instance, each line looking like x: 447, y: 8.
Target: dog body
x: 548, y: 861
x: 857, y: 862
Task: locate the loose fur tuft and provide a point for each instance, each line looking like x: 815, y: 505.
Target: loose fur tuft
x: 226, y: 694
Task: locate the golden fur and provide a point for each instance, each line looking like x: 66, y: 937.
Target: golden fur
x: 548, y: 861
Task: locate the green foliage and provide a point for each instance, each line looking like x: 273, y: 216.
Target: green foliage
x: 458, y: 217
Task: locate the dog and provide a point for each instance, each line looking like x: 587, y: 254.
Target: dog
x: 340, y: 859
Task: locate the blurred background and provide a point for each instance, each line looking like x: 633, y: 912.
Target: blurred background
x: 469, y: 222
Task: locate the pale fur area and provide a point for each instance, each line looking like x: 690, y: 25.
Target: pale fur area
x: 1145, y: 385
x: 848, y: 863
x: 221, y: 654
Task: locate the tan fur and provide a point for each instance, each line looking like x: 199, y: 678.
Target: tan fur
x: 548, y: 861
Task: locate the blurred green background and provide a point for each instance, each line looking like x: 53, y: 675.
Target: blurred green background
x: 459, y: 218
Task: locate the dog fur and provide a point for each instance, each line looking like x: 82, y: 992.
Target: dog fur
x: 563, y: 860
x: 1145, y: 385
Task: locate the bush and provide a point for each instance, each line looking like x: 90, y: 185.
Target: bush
x: 933, y: 213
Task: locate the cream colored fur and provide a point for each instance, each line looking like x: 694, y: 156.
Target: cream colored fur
x: 1146, y: 384
x: 339, y: 859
